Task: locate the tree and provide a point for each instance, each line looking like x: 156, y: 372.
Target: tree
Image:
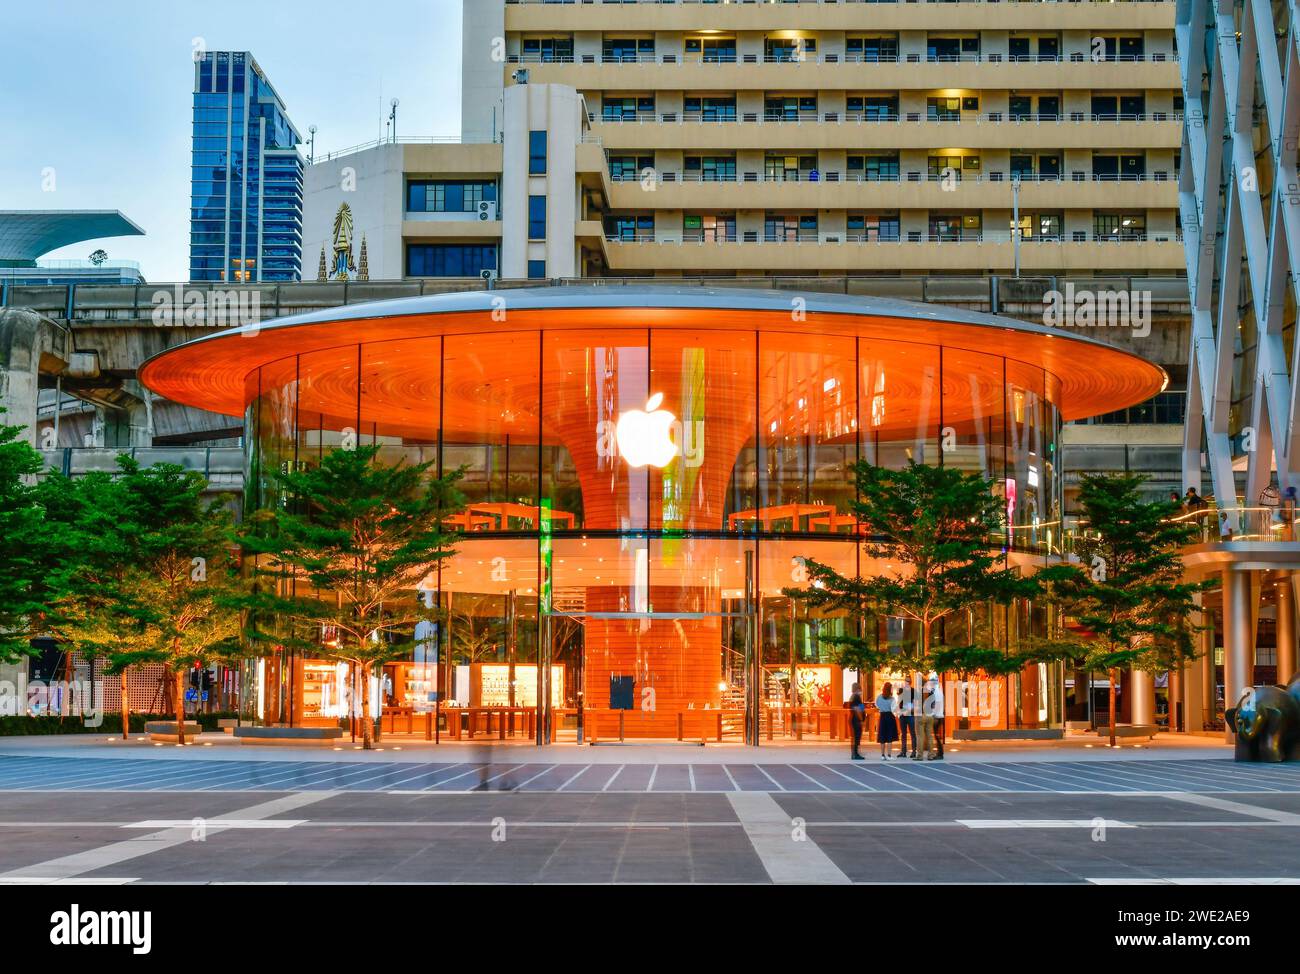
x: 95, y: 612
x: 934, y: 526
x: 30, y: 571
x: 346, y: 555
x: 157, y: 577
x: 1126, y: 592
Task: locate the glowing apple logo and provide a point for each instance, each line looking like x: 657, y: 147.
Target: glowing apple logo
x: 644, y: 436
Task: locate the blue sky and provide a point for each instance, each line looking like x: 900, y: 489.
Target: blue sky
x: 100, y: 93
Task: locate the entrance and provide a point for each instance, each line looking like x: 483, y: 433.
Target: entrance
x: 659, y: 635
x: 675, y: 676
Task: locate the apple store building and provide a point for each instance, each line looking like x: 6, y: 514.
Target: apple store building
x: 647, y: 470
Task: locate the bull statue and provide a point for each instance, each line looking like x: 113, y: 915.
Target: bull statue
x: 1266, y: 721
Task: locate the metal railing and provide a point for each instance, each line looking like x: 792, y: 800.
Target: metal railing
x: 402, y: 140
x: 878, y: 118
x: 130, y: 305
x: 221, y: 466
x: 825, y: 237
x: 1157, y: 57
x: 717, y: 2
x: 835, y: 176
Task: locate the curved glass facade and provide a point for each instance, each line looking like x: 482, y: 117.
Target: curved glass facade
x: 637, y: 501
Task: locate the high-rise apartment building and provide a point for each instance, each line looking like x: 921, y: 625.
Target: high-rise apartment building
x: 247, y: 192
x: 862, y: 138
x: 896, y: 148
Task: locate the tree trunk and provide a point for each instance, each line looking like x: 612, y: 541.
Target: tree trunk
x: 367, y: 732
x: 179, y: 678
x: 126, y: 708
x: 1111, y: 675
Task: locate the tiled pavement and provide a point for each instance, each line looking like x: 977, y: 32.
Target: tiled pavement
x: 647, y: 837
x: 1210, y: 776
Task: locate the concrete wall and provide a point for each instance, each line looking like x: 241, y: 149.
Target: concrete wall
x: 370, y: 182
x: 558, y: 110
x: 482, y: 69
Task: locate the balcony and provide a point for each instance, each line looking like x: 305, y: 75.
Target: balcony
x: 828, y: 252
x: 838, y: 191
x: 829, y: 15
x: 702, y: 132
x: 828, y: 72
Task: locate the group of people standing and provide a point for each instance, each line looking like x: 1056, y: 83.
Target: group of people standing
x: 900, y: 720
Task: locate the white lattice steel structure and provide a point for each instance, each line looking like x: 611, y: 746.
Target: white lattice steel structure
x: 1240, y: 206
x: 1239, y: 198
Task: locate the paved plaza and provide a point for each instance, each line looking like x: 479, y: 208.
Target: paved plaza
x: 1177, y: 811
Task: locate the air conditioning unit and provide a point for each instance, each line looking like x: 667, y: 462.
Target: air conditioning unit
x: 487, y: 210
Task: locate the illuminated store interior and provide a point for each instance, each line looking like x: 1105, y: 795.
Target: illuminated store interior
x: 646, y: 470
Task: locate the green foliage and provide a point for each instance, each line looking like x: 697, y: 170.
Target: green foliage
x: 968, y: 660
x: 932, y: 529
x: 347, y: 554
x: 156, y: 579
x: 28, y: 566
x: 1127, y: 594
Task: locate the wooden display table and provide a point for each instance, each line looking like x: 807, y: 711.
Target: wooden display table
x: 793, y: 513
x: 701, y: 725
x: 501, y: 722
x: 500, y: 515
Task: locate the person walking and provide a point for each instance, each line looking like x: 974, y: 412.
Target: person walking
x: 906, y: 722
x: 887, y: 733
x: 857, y: 714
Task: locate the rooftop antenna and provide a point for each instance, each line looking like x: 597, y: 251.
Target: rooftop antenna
x: 311, y: 144
x: 392, y: 118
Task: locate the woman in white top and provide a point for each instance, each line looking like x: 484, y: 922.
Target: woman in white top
x: 888, y: 732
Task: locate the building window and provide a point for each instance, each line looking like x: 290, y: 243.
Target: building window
x: 629, y: 168
x: 449, y: 260
x: 711, y: 169
x: 548, y: 49
x: 709, y: 227
x: 537, y: 218
x: 783, y: 108
x: 627, y: 109
x: 537, y: 153
x: 630, y: 228
x: 790, y: 228
x: 874, y: 168
x: 711, y: 49
x: 447, y: 196
x: 1164, y: 408
x: 1119, y: 226
x: 863, y: 227
x: 705, y: 109
x: 537, y: 270
x: 628, y: 49
x: 872, y: 49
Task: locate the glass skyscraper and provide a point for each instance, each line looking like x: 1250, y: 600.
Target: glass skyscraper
x: 247, y: 179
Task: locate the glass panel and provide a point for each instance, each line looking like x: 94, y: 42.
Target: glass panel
x: 803, y: 690
x: 589, y: 385
x: 707, y: 381
x: 400, y: 398
x: 328, y: 405
x: 898, y: 389
x: 491, y: 427
x: 808, y: 421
